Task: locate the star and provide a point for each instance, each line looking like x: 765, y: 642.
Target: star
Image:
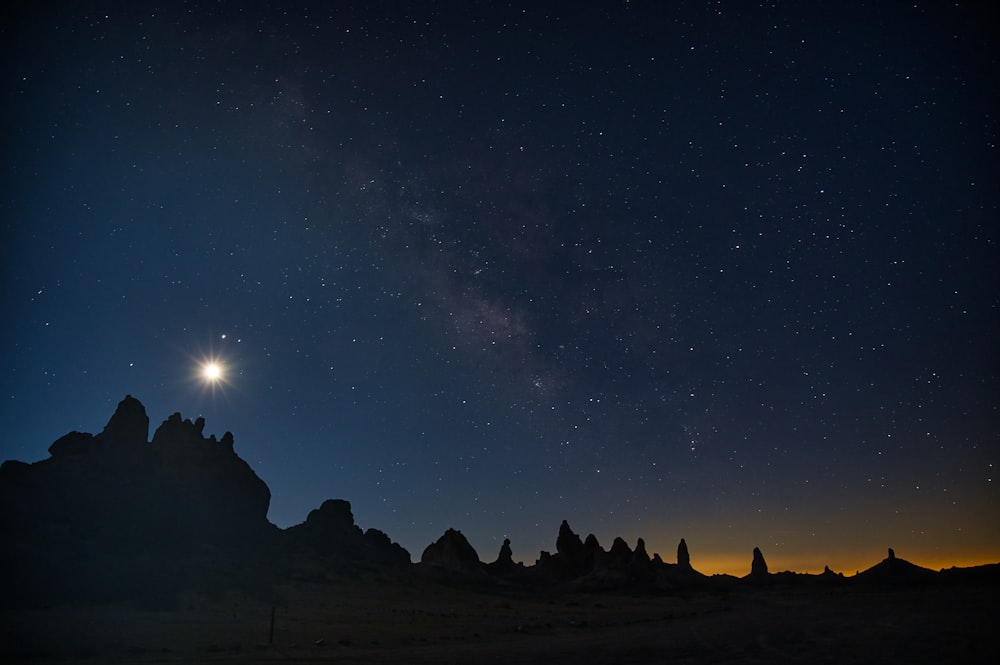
x: 212, y: 372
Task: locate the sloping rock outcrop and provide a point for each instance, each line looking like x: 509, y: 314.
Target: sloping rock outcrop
x: 895, y: 572
x: 111, y: 513
x: 451, y: 551
x: 330, y: 531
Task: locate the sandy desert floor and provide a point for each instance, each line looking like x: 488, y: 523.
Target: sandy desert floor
x: 425, y: 623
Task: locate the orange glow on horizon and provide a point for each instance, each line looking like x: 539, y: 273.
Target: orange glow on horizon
x: 738, y: 566
x: 710, y: 556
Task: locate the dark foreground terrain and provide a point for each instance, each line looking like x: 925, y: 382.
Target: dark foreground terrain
x: 122, y: 549
x: 423, y: 622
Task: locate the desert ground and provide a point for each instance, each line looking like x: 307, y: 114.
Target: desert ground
x: 425, y: 622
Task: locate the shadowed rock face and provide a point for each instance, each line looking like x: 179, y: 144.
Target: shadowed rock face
x: 683, y: 558
x: 74, y: 443
x: 451, y: 551
x: 112, y: 510
x: 505, y: 560
x: 216, y: 479
x: 640, y: 555
x: 506, y: 555
x: 129, y: 426
x: 620, y: 554
x: 330, y: 530
x: 892, y: 571
x: 569, y: 545
x: 334, y: 515
x: 126, y: 431
x: 505, y: 567
x: 758, y: 567
x: 117, y: 480
x: 114, y: 515
x: 573, y: 558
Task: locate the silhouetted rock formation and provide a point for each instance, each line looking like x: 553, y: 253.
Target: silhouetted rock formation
x: 504, y: 564
x: 592, y: 547
x: 129, y: 426
x: 640, y: 568
x: 622, y: 569
x: 683, y: 558
x: 508, y: 570
x: 384, y: 550
x: 74, y: 443
x: 893, y: 572
x: 506, y: 555
x: 331, y: 532
x: 573, y: 557
x: 113, y: 516
x: 830, y: 577
x: 110, y: 514
x: 182, y: 484
x: 640, y: 555
x: 451, y: 551
x: 619, y: 555
x: 758, y: 567
x: 572, y: 553
x: 332, y: 520
x: 217, y: 483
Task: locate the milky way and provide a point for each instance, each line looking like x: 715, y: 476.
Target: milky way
x: 681, y: 270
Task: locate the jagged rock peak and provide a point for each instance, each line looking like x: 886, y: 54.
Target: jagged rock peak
x: 620, y: 553
x: 129, y: 425
x: 333, y: 515
x: 451, y: 550
x: 892, y: 554
x: 640, y: 553
x: 385, y: 549
x: 179, y: 433
x: 619, y: 546
x: 683, y: 558
x: 506, y: 555
x: 568, y: 543
x: 758, y: 566
x: 330, y: 529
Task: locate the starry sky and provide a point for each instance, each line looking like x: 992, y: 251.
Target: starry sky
x: 716, y: 270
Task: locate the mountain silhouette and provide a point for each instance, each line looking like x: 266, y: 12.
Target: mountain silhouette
x: 115, y: 515
x: 895, y: 572
x: 118, y: 516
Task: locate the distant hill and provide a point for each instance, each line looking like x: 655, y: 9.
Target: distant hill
x: 896, y: 572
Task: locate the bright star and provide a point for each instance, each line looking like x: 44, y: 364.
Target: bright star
x: 212, y: 372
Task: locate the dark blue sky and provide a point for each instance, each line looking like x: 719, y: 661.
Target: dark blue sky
x: 668, y: 270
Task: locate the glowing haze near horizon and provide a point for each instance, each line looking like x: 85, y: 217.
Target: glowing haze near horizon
x: 702, y: 270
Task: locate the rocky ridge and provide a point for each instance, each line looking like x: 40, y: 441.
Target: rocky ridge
x: 117, y: 516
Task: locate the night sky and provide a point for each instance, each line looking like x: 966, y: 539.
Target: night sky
x: 697, y: 269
